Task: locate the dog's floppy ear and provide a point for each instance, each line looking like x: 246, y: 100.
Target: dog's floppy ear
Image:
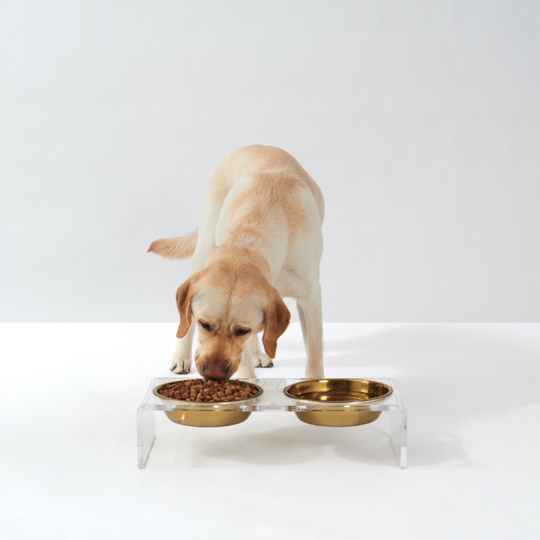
x: 184, y: 295
x: 276, y: 320
x: 183, y: 300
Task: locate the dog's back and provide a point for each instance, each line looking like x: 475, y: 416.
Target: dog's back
x: 253, y: 191
x: 258, y: 159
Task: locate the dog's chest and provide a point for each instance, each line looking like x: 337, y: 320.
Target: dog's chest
x: 291, y: 284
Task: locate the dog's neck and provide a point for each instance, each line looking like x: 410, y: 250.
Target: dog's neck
x: 257, y: 256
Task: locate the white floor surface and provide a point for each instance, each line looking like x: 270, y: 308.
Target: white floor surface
x: 68, y: 461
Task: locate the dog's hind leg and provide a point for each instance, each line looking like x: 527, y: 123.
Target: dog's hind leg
x: 310, y: 314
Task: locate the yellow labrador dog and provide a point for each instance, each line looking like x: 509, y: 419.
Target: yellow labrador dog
x: 259, y: 239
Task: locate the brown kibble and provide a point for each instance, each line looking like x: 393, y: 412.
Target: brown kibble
x: 208, y: 391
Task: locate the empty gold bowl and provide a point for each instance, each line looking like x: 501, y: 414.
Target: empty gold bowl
x: 207, y: 414
x: 338, y: 402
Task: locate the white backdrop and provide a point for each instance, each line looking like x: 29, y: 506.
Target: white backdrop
x: 419, y: 120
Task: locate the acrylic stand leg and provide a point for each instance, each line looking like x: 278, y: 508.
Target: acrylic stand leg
x: 398, y: 434
x: 146, y: 433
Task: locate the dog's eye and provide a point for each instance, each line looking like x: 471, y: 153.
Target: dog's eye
x: 205, y: 325
x: 242, y: 331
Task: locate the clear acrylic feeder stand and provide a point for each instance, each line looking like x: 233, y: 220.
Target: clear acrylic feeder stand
x: 273, y: 399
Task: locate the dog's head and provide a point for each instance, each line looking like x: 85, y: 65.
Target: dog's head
x: 229, y: 303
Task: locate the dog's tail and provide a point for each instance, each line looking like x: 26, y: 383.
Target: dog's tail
x: 181, y: 247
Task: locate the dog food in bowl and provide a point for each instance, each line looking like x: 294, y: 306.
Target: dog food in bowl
x: 208, y: 402
x: 199, y: 390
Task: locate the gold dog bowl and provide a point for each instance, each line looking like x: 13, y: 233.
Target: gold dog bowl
x: 338, y: 402
x: 198, y: 414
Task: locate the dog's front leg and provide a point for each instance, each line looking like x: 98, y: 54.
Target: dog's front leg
x: 260, y: 358
x: 181, y: 360
x: 310, y: 314
x: 246, y: 369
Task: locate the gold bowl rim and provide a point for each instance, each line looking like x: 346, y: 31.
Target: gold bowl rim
x: 334, y: 403
x: 203, y: 404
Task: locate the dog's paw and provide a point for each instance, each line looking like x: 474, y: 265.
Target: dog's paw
x: 181, y: 365
x: 261, y: 359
